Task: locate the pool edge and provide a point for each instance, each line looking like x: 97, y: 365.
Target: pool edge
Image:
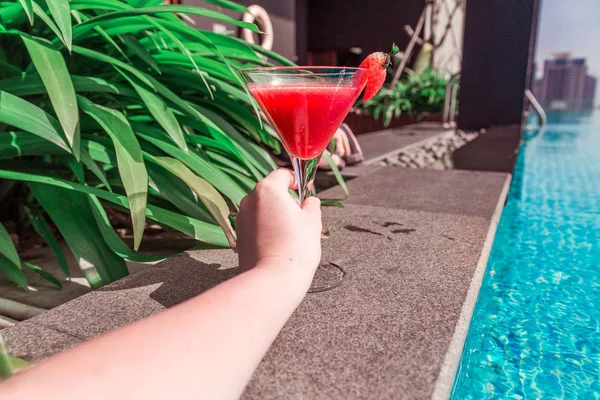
x: 445, y: 379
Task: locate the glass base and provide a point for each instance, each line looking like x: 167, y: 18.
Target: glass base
x: 327, y: 277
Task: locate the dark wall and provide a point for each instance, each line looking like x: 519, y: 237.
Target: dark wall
x: 302, y: 31
x: 372, y: 25
x: 283, y: 17
x: 496, y: 61
x: 315, y: 25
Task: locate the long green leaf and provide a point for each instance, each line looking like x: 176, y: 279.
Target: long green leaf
x: 122, y: 26
x: 31, y: 84
x: 44, y: 274
x: 5, y: 367
x: 184, y: 50
x: 10, y: 264
x: 137, y: 24
x: 242, y: 180
x: 21, y: 114
x: 43, y: 229
x: 159, y: 110
x: 7, y: 247
x: 259, y: 157
x: 99, y: 151
x: 18, y: 144
x: 99, y: 85
x: 235, y: 74
x: 113, y: 240
x: 110, y: 60
x: 9, y: 69
x: 71, y: 213
x: 129, y: 158
x: 52, y: 69
x: 75, y: 167
x: 182, y: 9
x: 144, y: 3
x: 106, y: 5
x: 12, y: 13
x: 208, y: 233
x: 231, y: 47
x: 224, y: 142
x: 169, y: 95
x: 139, y: 50
x: 175, y: 191
x: 23, y: 84
x: 221, y: 159
x: 112, y: 42
x: 215, y: 68
x: 18, y: 363
x: 61, y: 12
x: 199, y: 165
x: 336, y: 173
x: 239, y: 114
x: 41, y: 14
x: 5, y: 188
x: 28, y: 7
x: 332, y: 203
x: 80, y: 17
x: 228, y: 4
x: 87, y: 160
x: 209, y: 196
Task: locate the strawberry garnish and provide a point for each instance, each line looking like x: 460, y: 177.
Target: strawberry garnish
x: 376, y: 65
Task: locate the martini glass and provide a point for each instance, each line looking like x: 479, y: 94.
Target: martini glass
x: 306, y: 106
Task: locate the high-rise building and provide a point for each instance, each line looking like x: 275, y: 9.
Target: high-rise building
x: 566, y: 83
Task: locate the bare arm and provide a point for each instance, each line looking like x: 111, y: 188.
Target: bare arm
x: 209, y: 346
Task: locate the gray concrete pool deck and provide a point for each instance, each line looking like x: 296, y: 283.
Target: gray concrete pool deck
x: 415, y: 244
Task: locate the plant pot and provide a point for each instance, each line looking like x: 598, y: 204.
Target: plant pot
x: 365, y: 123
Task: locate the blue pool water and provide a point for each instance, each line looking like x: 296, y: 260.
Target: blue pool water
x: 535, y: 331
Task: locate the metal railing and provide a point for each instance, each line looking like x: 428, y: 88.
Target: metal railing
x: 450, y: 101
x: 537, y: 107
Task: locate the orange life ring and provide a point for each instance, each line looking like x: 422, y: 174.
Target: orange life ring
x: 260, y: 16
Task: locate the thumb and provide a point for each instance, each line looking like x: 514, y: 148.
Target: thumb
x: 312, y: 205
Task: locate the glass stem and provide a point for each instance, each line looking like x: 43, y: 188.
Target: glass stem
x: 305, y: 171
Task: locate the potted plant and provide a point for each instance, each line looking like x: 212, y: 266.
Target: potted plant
x: 414, y: 98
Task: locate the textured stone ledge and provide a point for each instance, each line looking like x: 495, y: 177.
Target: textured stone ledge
x: 414, y: 243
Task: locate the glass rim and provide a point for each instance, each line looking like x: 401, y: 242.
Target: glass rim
x: 271, y: 70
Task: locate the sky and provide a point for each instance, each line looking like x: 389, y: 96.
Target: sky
x: 570, y: 25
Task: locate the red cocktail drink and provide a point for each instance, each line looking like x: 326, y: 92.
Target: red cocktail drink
x: 305, y: 117
x: 305, y: 106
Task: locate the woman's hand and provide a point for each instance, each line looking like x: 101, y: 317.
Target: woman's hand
x: 274, y: 231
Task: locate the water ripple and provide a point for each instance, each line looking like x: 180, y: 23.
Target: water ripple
x: 535, y: 332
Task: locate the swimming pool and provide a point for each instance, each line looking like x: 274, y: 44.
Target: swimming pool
x: 535, y: 331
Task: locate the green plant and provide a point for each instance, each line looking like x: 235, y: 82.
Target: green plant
x: 388, y: 103
x: 9, y: 364
x: 5, y: 365
x: 426, y: 92
x: 414, y: 95
x: 120, y: 105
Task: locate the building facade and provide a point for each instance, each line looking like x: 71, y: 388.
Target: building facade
x: 566, y: 84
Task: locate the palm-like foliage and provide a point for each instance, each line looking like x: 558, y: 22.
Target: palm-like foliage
x: 120, y: 104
